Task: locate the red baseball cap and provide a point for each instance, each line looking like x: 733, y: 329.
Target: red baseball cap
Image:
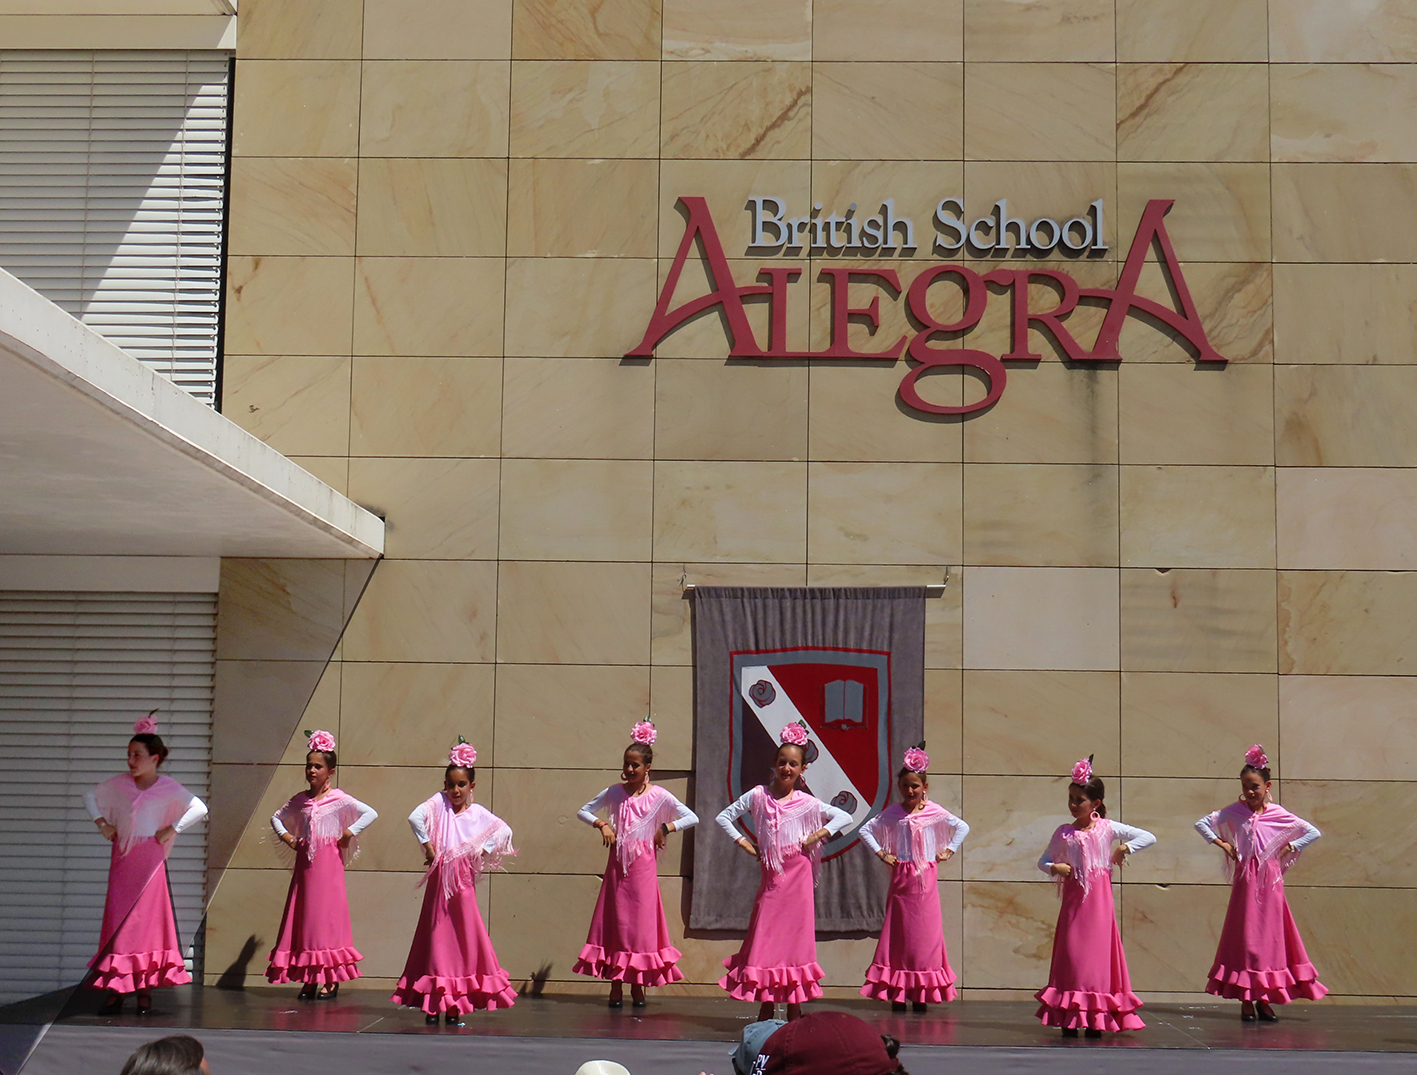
x: 827, y: 1043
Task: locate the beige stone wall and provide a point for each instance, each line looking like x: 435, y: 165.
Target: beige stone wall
x: 449, y: 220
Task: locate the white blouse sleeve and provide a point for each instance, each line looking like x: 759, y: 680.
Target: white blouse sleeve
x: 587, y: 812
x: 91, y: 805
x: 196, y: 810
x: 278, y: 824
x: 1133, y: 838
x: 867, y: 832
x: 732, y: 812
x: 837, y: 819
x: 684, y: 818
x: 1053, y: 853
x: 1206, y: 827
x: 961, y: 831
x: 367, y: 815
x: 418, y: 822
x: 1308, y: 837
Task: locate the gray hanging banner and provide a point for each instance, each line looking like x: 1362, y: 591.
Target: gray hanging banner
x: 850, y: 662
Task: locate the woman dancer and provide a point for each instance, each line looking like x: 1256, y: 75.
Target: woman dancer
x: 452, y: 968
x: 911, y: 837
x: 778, y: 960
x: 1088, y: 985
x: 140, y: 813
x: 315, y: 946
x: 1260, y: 959
x: 629, y: 937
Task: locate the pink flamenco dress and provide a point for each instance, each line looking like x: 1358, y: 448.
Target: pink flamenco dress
x: 138, y: 945
x: 1261, y: 957
x: 315, y: 945
x: 628, y: 940
x: 911, y: 963
x: 452, y: 967
x: 778, y: 960
x: 1088, y: 984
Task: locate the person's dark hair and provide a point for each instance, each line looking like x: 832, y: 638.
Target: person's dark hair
x: 924, y: 777
x: 1095, y: 790
x: 644, y: 750
x: 329, y: 755
x: 177, y: 1055
x: 1264, y: 772
x: 893, y: 1046
x: 153, y: 744
x: 470, y: 770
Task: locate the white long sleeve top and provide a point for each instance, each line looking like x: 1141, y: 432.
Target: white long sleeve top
x: 869, y: 830
x: 836, y: 819
x: 367, y: 815
x: 418, y: 822
x: 1206, y: 825
x: 684, y: 818
x: 145, y: 821
x: 1132, y: 838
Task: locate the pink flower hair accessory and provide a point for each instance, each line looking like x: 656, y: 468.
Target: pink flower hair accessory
x: 643, y: 732
x: 795, y: 734
x: 1256, y: 756
x: 463, y: 754
x: 916, y: 760
x: 1082, y: 771
x: 321, y: 740
x: 145, y: 725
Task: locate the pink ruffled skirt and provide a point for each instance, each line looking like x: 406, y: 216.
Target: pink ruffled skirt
x: 315, y: 945
x: 138, y: 945
x: 911, y: 963
x: 628, y: 939
x: 778, y: 960
x: 1260, y: 955
x: 451, y: 965
x: 1088, y: 984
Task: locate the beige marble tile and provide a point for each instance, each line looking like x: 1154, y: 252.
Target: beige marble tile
x: 1346, y: 623
x: 1345, y: 314
x: 279, y: 609
x: 1058, y: 189
x: 1008, y: 934
x: 576, y: 509
x: 574, y: 30
x: 1362, y: 851
x: 425, y: 407
x: 1011, y: 820
x: 1176, y: 516
x: 1050, y: 413
x: 411, y: 714
x: 856, y: 414
x: 601, y: 306
x: 1172, y: 414
x: 561, y: 408
x: 736, y: 110
x: 1345, y: 416
x: 256, y: 703
x: 318, y: 30
x: 1192, y: 111
x: 1170, y: 934
x: 1234, y: 303
x: 1337, y: 518
x: 294, y: 404
x: 857, y: 111
x: 884, y: 513
x: 582, y: 208
x: 1323, y: 112
x: 1169, y: 809
x: 245, y: 904
x: 887, y: 30
x: 532, y: 703
x: 383, y: 908
x: 1198, y: 620
x: 425, y: 610
x: 671, y: 606
x: 1222, y: 211
x: 1040, y: 515
x: 1311, y: 31
x: 432, y: 207
x: 285, y: 306
x: 944, y: 728
x: 708, y: 410
x: 737, y: 30
x: 671, y: 707
x: 584, y: 109
x: 1204, y: 31
x: 944, y: 609
x: 1194, y: 724
x: 1025, y: 723
x: 434, y: 307
x: 388, y: 845
x: 1354, y: 928
x: 440, y: 509
x: 332, y: 470
x: 1003, y: 120
x: 726, y: 186
x: 1348, y: 727
x: 559, y: 613
x: 437, y: 29
x: 292, y: 206
x: 1041, y: 618
x: 1307, y: 229
x: 440, y: 108
x: 251, y: 846
x: 321, y: 711
x: 539, y: 923
x: 295, y: 108
x: 1072, y: 31
x: 715, y: 511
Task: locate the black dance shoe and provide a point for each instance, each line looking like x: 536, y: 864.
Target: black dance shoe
x: 897, y: 1005
x: 918, y: 1007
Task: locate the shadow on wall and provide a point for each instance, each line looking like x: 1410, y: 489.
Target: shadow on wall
x: 234, y: 977
x: 536, y: 984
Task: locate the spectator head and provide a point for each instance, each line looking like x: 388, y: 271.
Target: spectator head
x: 829, y: 1043
x: 754, y: 1035
x: 177, y: 1055
x: 602, y: 1067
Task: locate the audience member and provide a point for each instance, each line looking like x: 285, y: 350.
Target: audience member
x: 177, y: 1055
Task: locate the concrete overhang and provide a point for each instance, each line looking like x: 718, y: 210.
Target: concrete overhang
x: 100, y: 456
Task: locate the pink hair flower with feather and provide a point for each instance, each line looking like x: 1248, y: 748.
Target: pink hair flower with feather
x: 322, y: 740
x: 916, y: 760
x: 1256, y: 756
x: 463, y: 754
x: 795, y: 734
x: 145, y: 725
x: 1082, y: 771
x: 643, y: 732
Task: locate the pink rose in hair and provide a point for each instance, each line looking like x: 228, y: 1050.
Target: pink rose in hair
x: 1082, y: 771
x: 644, y: 732
x: 916, y: 760
x: 463, y: 755
x: 145, y: 725
x: 795, y: 734
x: 322, y: 741
x: 1256, y: 756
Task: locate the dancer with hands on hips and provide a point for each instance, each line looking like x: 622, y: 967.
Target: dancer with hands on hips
x: 1088, y: 987
x: 777, y: 963
x: 912, y: 837
x: 628, y: 940
x: 1260, y: 960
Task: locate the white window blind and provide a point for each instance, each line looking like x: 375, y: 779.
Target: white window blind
x: 76, y: 669
x: 112, y: 178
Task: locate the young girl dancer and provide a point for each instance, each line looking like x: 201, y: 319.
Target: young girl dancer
x: 1260, y: 959
x: 911, y: 837
x: 316, y: 946
x: 451, y: 966
x: 629, y: 937
x: 778, y: 960
x: 1088, y: 985
x: 140, y: 813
